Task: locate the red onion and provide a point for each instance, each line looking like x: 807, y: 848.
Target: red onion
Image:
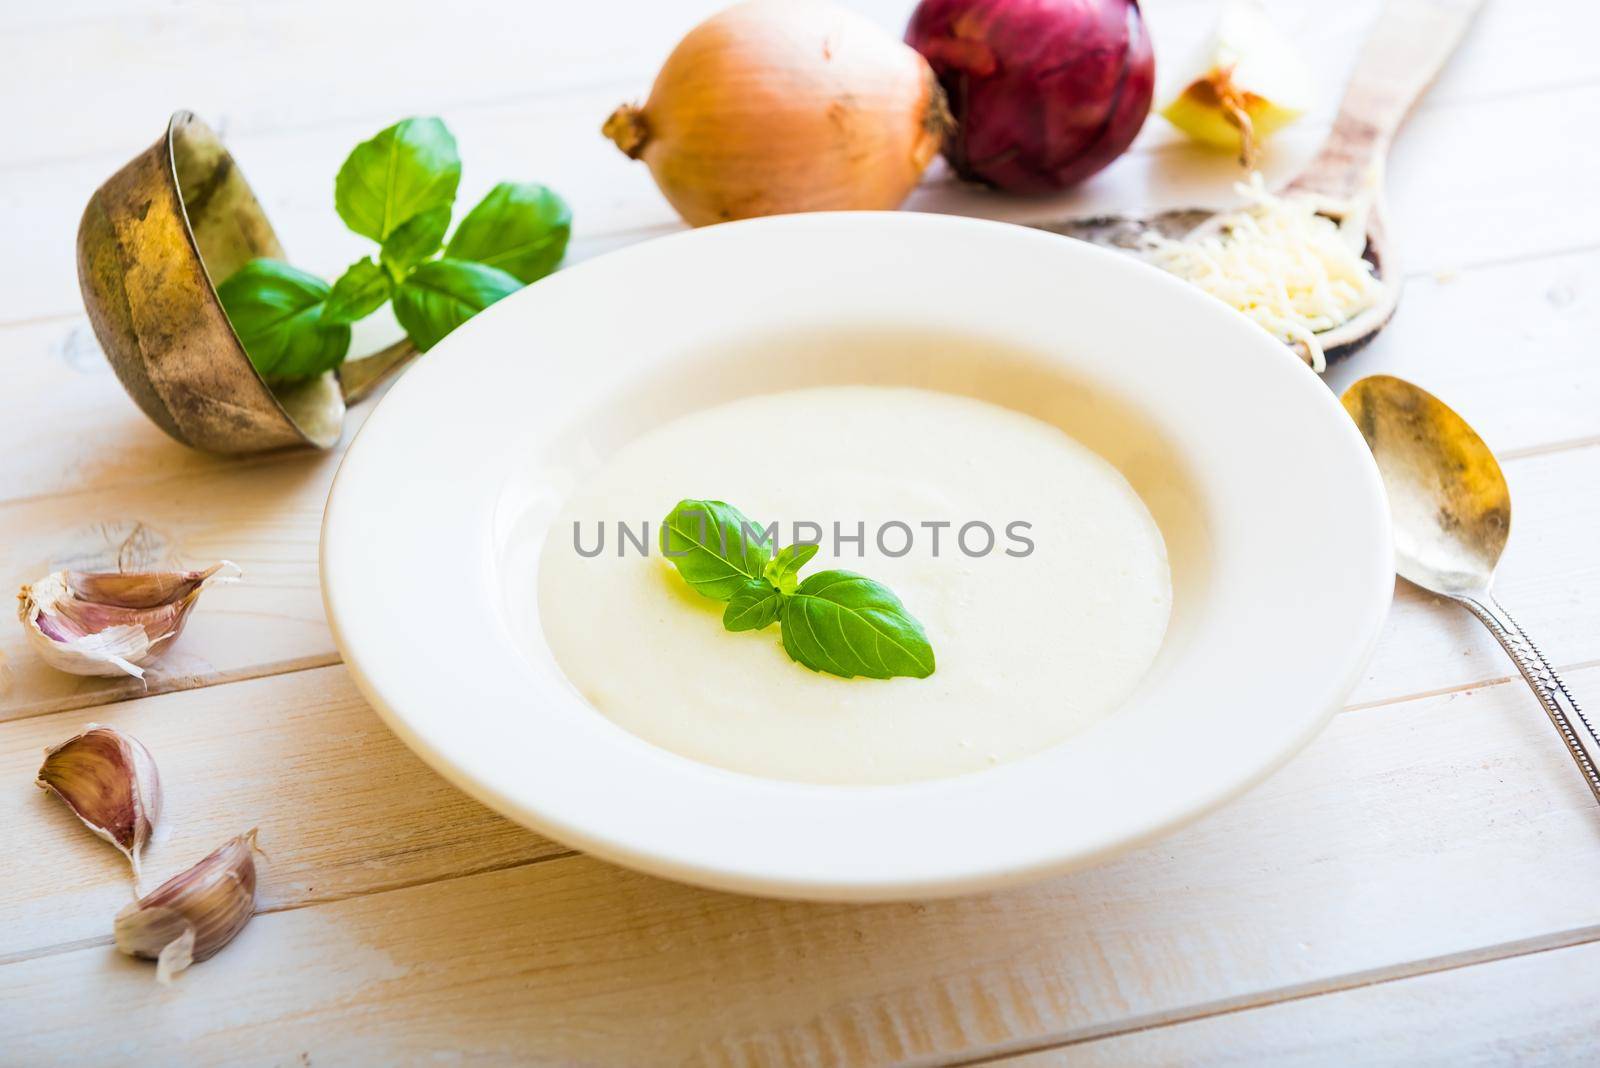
x: 1044, y: 92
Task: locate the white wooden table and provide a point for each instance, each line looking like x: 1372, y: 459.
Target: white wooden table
x: 1421, y: 886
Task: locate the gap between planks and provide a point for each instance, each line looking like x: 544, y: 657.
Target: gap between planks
x: 177, y: 684
x: 311, y: 901
x: 1577, y: 936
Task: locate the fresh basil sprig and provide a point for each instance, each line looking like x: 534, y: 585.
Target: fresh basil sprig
x: 440, y: 295
x: 407, y: 169
x: 398, y: 189
x: 520, y: 227
x: 835, y: 621
x: 714, y: 547
x: 358, y: 293
x: 277, y: 311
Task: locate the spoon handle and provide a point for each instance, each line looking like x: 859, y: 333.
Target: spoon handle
x: 1576, y: 731
x: 1406, y: 49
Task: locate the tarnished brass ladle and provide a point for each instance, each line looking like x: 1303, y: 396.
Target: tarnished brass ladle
x: 153, y: 240
x: 1452, y: 514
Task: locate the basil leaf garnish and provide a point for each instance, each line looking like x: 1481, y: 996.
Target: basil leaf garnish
x: 714, y: 546
x: 848, y: 625
x: 784, y: 569
x: 835, y: 621
x: 276, y: 310
x: 414, y: 241
x: 520, y: 227
x: 405, y: 170
x: 753, y: 607
x: 440, y: 295
x: 359, y: 292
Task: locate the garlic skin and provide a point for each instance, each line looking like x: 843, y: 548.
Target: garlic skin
x: 109, y: 781
x: 111, y: 623
x: 1249, y: 82
x: 194, y: 914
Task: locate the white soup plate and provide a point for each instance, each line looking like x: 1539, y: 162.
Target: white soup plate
x: 1271, y: 507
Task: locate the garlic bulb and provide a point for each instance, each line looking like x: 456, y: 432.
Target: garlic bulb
x: 195, y: 913
x: 109, y: 780
x: 110, y: 623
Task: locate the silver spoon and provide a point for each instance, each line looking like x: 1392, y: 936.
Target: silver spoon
x: 1452, y: 513
x: 1406, y: 49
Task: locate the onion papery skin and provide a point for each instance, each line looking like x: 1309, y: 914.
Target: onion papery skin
x: 1044, y: 92
x: 777, y: 106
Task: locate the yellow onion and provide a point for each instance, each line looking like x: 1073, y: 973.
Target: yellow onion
x: 777, y: 106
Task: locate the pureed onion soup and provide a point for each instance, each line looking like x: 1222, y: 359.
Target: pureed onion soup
x: 1037, y: 572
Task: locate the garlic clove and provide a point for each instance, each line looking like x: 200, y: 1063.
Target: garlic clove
x: 194, y: 914
x: 1250, y: 82
x: 138, y: 589
x: 110, y: 623
x: 109, y: 781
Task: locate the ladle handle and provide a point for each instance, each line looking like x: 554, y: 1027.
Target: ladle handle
x: 359, y: 377
x: 1575, y: 729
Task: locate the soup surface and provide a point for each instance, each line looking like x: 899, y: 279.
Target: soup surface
x: 1037, y: 635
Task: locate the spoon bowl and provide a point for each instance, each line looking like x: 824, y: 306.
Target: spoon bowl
x: 1448, y: 497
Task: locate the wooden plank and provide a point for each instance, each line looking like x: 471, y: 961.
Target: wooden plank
x: 1509, y: 347
x: 1458, y: 335
x: 460, y: 63
x: 1529, y: 1010
x: 344, y: 808
x: 1448, y: 197
x: 1317, y: 874
x: 482, y: 55
x: 67, y: 425
x: 1544, y: 318
x: 1548, y: 578
x: 266, y: 517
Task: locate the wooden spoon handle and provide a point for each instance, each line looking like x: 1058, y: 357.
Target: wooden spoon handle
x: 1402, y: 55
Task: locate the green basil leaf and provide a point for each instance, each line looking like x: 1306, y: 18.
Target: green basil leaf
x: 407, y: 169
x: 521, y: 227
x: 783, y: 570
x: 714, y: 546
x: 440, y: 295
x: 276, y: 310
x: 848, y: 625
x: 359, y: 292
x: 755, y: 606
x: 415, y: 240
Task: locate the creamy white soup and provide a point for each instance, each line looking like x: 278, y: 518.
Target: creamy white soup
x: 1036, y: 636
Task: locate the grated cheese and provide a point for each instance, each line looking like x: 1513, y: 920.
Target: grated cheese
x: 1293, y: 271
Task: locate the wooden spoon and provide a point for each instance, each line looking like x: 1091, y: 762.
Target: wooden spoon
x: 1399, y: 60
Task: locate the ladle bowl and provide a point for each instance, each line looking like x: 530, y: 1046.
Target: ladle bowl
x: 154, y: 241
